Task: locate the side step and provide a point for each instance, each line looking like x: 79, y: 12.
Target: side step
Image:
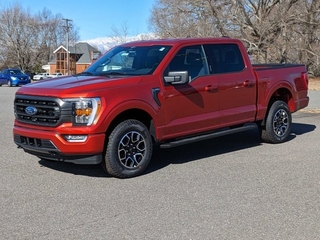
x: 207, y: 136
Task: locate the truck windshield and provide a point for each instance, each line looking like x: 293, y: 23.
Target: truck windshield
x: 139, y: 60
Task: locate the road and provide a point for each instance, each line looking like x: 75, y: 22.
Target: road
x: 233, y: 187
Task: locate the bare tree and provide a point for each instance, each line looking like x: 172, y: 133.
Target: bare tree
x: 120, y: 35
x: 308, y: 30
x: 192, y: 18
x: 28, y: 41
x: 16, y: 36
x: 273, y: 30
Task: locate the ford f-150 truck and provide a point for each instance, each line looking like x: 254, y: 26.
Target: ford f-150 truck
x: 158, y: 92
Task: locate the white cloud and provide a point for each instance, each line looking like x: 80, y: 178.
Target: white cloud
x: 105, y: 43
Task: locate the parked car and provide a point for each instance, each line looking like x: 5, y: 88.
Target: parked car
x: 41, y: 76
x: 14, y: 77
x: 30, y: 73
x: 166, y: 93
x: 54, y: 75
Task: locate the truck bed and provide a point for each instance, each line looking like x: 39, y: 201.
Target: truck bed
x: 269, y: 66
x: 290, y: 76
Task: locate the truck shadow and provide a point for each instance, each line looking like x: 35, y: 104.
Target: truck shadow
x: 85, y: 170
x: 183, y: 154
x: 215, y: 147
x: 301, y: 128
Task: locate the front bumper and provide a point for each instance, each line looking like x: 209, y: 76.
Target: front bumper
x: 51, y: 145
x: 19, y: 82
x: 302, y: 103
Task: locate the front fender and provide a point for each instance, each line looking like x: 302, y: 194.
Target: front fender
x: 152, y: 110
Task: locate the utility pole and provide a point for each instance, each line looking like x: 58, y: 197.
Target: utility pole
x: 67, y: 31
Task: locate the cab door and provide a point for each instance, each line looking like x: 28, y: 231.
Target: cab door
x: 191, y: 107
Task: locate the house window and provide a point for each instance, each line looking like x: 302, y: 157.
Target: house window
x: 95, y: 55
x: 61, y: 63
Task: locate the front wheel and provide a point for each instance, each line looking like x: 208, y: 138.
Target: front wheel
x: 129, y: 149
x: 278, y: 123
x: 9, y: 83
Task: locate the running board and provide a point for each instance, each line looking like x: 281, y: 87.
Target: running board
x: 207, y: 136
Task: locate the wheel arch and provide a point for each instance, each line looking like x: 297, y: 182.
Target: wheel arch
x: 284, y: 94
x: 133, y: 113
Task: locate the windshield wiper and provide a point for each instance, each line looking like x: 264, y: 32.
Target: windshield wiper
x: 86, y: 73
x: 113, y: 73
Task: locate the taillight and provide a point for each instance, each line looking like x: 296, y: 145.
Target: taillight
x: 305, y: 79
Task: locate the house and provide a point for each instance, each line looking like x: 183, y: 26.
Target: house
x: 81, y: 55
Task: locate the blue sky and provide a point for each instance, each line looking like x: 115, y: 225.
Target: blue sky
x: 95, y: 18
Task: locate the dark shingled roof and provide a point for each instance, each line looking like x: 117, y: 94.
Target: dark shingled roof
x: 80, y: 48
x: 85, y: 49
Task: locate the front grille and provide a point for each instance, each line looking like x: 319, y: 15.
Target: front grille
x: 33, y: 142
x: 41, y: 110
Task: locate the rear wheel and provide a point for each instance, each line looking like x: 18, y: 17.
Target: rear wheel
x: 129, y: 149
x: 278, y: 123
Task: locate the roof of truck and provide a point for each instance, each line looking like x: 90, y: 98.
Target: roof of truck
x: 178, y: 41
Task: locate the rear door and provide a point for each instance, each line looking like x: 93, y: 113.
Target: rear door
x: 236, y: 84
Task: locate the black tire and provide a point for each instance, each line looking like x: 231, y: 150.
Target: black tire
x: 128, y: 150
x: 278, y: 123
x: 9, y: 83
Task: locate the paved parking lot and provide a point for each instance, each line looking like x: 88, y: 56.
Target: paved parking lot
x: 233, y: 187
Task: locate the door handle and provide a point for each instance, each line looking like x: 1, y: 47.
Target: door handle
x: 211, y: 88
x: 248, y: 83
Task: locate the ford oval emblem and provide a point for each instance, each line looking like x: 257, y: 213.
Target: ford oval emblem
x: 31, y: 110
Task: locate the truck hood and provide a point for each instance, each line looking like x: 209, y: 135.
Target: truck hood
x: 75, y: 85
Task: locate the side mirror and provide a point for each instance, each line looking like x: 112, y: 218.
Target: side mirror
x: 179, y: 77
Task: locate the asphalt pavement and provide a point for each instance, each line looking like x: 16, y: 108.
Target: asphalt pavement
x: 314, y: 99
x: 232, y: 187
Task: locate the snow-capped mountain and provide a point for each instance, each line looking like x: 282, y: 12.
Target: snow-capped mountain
x: 105, y: 43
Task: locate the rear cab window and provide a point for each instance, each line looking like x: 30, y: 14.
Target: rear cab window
x: 224, y: 58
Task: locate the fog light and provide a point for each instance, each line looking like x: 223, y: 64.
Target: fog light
x: 75, y: 138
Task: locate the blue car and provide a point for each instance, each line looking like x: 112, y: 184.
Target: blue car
x: 13, y: 77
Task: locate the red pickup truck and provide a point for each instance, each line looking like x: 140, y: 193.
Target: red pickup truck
x: 159, y: 92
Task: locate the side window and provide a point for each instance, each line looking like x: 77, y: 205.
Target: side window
x: 191, y: 59
x: 224, y: 58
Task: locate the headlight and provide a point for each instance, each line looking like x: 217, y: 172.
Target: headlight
x: 14, y: 78
x: 85, y: 110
